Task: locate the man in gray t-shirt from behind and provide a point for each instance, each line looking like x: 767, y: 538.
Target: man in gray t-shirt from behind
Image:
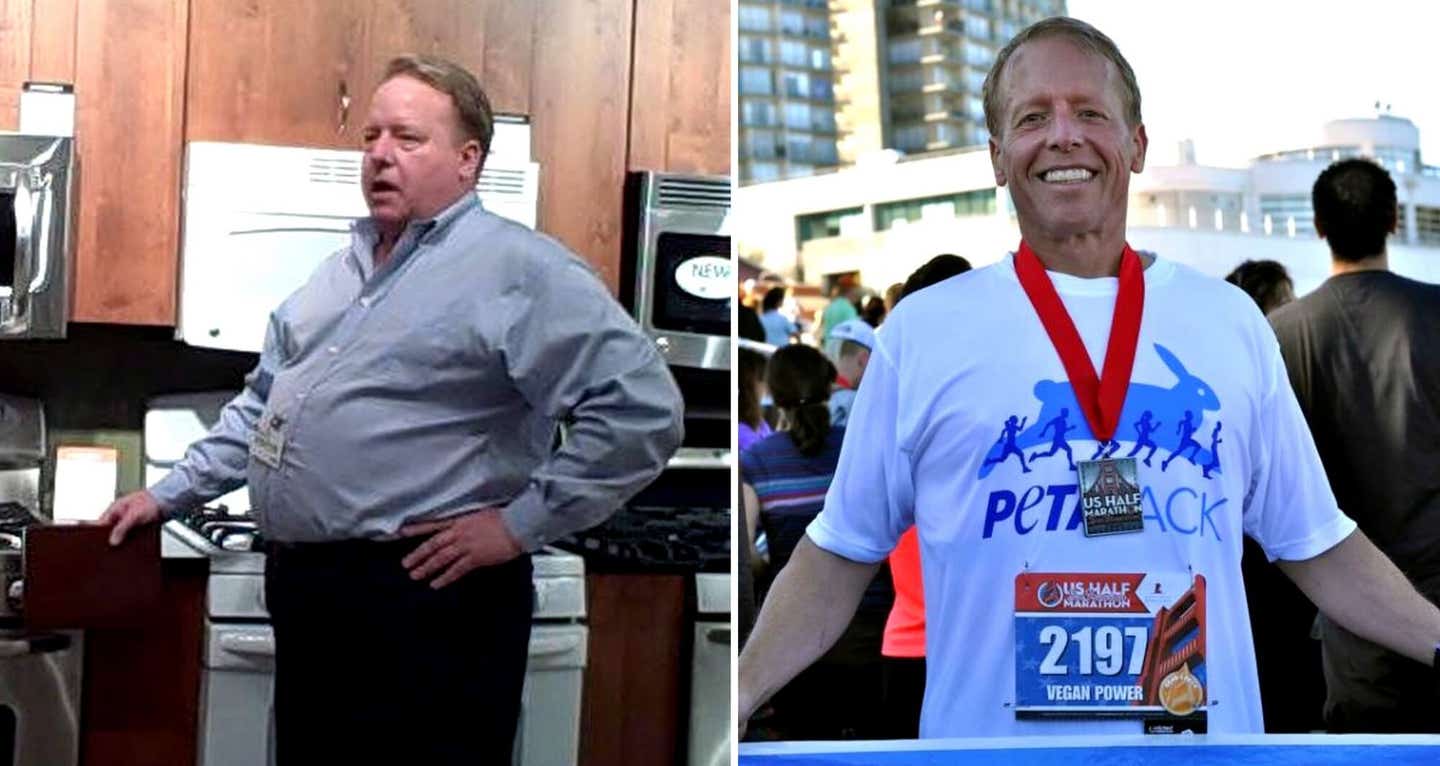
x: 1363, y: 353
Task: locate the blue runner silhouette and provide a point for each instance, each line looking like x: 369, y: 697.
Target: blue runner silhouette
x: 1186, y: 429
x: 1058, y: 423
x: 1215, y: 441
x: 1143, y: 428
x: 1007, y: 442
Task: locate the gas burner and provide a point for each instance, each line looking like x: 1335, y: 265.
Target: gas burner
x: 15, y: 518
x: 225, y: 530
x: 654, y: 538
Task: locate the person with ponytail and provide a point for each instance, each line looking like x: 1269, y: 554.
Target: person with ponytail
x: 784, y: 479
x: 785, y: 475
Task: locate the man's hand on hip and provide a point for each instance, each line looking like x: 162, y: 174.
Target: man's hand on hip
x: 458, y: 545
x: 128, y: 512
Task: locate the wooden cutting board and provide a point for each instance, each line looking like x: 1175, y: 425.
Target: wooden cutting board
x: 75, y: 579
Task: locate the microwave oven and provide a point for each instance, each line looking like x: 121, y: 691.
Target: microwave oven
x: 35, y: 235
x: 259, y: 219
x: 677, y: 276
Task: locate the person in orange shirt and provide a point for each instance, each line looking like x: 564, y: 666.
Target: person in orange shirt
x: 904, y: 644
x: 903, y: 648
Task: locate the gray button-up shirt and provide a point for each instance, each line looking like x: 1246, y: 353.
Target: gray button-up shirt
x: 434, y: 386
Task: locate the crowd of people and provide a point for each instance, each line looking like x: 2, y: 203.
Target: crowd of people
x: 922, y: 464
x: 870, y: 684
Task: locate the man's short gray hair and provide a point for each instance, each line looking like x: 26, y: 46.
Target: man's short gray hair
x: 1078, y: 32
x: 477, y: 121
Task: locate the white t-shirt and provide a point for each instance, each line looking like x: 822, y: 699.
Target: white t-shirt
x: 959, y: 359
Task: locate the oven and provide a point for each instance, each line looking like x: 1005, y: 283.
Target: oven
x: 710, y: 726
x: 549, y: 730
x: 236, y: 725
x: 39, y: 698
x: 677, y: 277
x: 237, y: 679
x: 40, y: 671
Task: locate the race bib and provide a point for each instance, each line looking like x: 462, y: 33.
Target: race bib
x: 1091, y: 645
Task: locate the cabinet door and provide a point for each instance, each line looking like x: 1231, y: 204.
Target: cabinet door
x: 14, y: 59
x: 680, y: 111
x: 301, y: 74
x: 275, y: 72
x: 129, y: 85
x: 37, y: 42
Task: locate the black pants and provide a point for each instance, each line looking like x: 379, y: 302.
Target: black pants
x: 903, y: 693
x: 374, y: 668
x: 1373, y: 690
x: 1287, y: 659
x: 838, y: 697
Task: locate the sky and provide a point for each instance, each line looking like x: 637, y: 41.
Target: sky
x: 1247, y: 77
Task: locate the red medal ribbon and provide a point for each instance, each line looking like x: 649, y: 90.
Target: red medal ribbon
x: 1102, y: 398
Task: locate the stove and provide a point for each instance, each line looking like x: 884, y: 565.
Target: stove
x: 657, y: 539
x: 237, y: 682
x: 225, y: 530
x: 14, y: 520
x: 679, y: 524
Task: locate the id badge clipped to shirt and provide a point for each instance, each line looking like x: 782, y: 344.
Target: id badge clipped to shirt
x: 1107, y: 645
x: 267, y: 443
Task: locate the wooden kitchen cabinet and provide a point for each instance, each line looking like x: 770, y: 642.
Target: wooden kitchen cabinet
x: 141, y: 679
x: 301, y: 74
x: 680, y: 110
x: 14, y: 59
x: 634, y: 680
x: 129, y: 92
x: 37, y: 43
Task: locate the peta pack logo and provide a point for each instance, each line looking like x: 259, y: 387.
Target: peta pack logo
x: 1169, y: 429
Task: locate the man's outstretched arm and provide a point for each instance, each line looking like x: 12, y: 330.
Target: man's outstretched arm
x: 806, y: 610
x: 1357, y: 586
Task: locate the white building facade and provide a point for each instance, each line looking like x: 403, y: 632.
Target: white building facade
x: 885, y: 216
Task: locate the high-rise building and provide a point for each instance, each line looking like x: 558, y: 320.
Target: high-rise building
x: 906, y: 75
x: 787, y: 106
x: 931, y: 59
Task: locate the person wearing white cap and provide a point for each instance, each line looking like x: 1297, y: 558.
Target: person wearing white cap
x: 856, y: 338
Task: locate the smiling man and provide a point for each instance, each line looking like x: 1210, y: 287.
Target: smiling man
x: 399, y: 440
x: 1102, y: 597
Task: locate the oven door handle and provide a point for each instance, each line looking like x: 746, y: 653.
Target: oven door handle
x: 549, y: 647
x: 40, y: 256
x: 20, y: 647
x: 24, y: 255
x: 248, y: 644
x: 696, y: 457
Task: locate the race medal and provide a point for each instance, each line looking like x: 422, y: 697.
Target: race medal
x: 1110, y: 488
x: 1110, y: 496
x: 1090, y: 645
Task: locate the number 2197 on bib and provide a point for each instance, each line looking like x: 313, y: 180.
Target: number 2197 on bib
x: 1108, y: 645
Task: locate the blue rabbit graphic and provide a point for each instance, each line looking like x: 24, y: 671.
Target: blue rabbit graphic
x: 1166, y: 405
